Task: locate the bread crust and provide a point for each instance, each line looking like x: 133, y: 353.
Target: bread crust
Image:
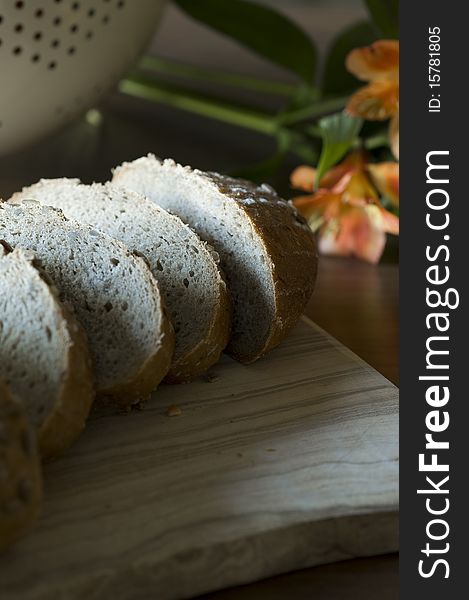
x: 290, y: 246
x: 21, y: 490
x: 68, y: 418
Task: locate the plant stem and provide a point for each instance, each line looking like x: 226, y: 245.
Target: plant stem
x: 194, y: 72
x: 200, y: 104
x: 377, y: 141
x: 313, y: 111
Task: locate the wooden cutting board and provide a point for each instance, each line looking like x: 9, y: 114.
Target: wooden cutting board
x: 284, y: 464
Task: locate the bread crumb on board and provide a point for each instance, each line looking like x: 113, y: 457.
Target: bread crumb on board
x: 211, y: 377
x: 173, y: 411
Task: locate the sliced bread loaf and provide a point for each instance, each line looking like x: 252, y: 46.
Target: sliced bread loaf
x: 266, y: 248
x: 20, y: 471
x: 113, y: 293
x: 44, y: 356
x: 185, y: 267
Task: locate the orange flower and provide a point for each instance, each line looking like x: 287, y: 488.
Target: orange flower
x: 346, y: 210
x: 379, y: 100
x: 385, y: 176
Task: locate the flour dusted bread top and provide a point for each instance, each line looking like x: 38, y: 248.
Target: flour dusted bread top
x: 44, y: 356
x: 266, y: 249
x: 185, y: 267
x: 113, y: 294
x: 20, y: 471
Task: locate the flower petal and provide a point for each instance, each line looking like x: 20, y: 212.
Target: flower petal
x: 375, y: 62
x: 353, y: 233
x: 323, y: 203
x: 330, y: 244
x: 335, y: 178
x: 390, y: 222
x: 394, y: 135
x: 302, y: 202
x: 303, y: 178
x: 383, y: 219
x: 377, y: 101
x: 385, y: 176
x: 359, y: 190
x: 368, y: 237
x: 370, y: 244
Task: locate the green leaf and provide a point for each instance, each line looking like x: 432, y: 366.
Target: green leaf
x: 336, y: 79
x: 165, y: 66
x: 259, y: 28
x: 385, y: 15
x: 339, y: 132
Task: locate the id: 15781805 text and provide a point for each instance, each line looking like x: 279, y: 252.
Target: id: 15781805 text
x: 434, y: 72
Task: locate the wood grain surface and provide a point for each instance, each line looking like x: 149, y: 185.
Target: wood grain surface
x: 280, y: 465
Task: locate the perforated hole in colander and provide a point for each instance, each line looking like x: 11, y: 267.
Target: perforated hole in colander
x: 53, y: 44
x: 59, y: 14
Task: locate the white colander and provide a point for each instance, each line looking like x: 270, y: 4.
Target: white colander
x: 57, y: 57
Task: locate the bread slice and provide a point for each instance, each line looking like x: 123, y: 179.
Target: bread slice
x: 44, y: 355
x: 266, y: 248
x: 186, y: 268
x: 20, y: 471
x: 113, y: 293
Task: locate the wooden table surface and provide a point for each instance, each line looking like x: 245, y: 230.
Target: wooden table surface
x: 355, y: 302
x: 358, y: 304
